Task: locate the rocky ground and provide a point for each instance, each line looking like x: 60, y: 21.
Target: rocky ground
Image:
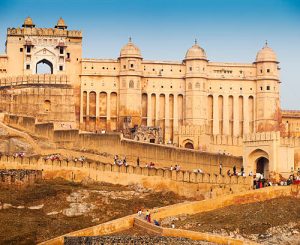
x: 51, y: 208
x: 124, y: 239
x: 275, y: 221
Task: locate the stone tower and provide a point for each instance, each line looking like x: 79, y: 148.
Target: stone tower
x: 267, y: 103
x: 196, y: 86
x: 130, y: 85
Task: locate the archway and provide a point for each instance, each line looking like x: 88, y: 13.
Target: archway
x: 262, y: 166
x: 44, y: 67
x: 258, y: 162
x: 189, y: 145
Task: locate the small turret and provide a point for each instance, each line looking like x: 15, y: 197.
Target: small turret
x: 28, y: 23
x: 61, y: 24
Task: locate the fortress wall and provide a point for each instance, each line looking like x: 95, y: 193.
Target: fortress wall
x: 183, y: 183
x: 110, y: 144
x: 19, y: 177
x: 44, y: 130
x: 189, y: 208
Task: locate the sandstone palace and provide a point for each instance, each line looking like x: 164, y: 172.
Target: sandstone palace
x: 207, y: 106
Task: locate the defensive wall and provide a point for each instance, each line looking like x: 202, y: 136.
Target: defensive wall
x: 109, y: 144
x: 19, y: 177
x: 189, y: 208
x: 185, y: 183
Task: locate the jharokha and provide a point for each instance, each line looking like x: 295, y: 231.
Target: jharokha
x: 230, y: 108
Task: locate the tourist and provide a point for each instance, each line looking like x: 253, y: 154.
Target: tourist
x: 148, y: 218
x: 228, y: 172
x: 178, y: 168
x: 156, y: 223
x: 138, y: 162
x: 220, y: 167
x: 140, y: 212
x: 251, y: 173
x: 234, y: 170
x: 173, y: 226
x: 171, y: 168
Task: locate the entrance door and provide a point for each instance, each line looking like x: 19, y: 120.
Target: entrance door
x: 262, y: 166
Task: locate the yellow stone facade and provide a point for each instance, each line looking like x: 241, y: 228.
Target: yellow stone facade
x: 197, y: 103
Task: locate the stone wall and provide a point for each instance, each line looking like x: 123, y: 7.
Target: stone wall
x: 19, y: 177
x: 110, y: 144
x: 185, y: 183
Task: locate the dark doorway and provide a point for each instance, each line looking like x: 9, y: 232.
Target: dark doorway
x: 189, y: 145
x: 44, y: 67
x: 262, y: 166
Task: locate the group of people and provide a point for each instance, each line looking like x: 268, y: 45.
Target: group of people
x: 176, y: 168
x: 19, y: 154
x: 147, y: 217
x: 150, y: 165
x: 120, y: 162
x: 234, y: 171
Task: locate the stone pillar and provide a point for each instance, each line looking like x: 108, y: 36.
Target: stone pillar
x: 81, y: 107
x: 88, y: 103
x: 108, y: 111
x: 175, y: 113
x: 246, y: 115
x: 97, y: 111
x: 225, y: 115
x: 149, y: 110
x: 157, y: 109
x: 167, y: 118
x: 215, y: 115
x: 236, y: 115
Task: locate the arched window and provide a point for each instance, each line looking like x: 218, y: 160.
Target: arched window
x: 44, y: 67
x: 47, y: 105
x: 190, y: 86
x: 197, y: 85
x: 131, y: 84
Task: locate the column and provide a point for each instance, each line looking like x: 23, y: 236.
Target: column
x: 236, y: 115
x: 157, y: 109
x: 81, y: 106
x: 175, y: 113
x: 97, y: 111
x: 167, y: 118
x: 246, y: 115
x: 149, y: 110
x: 108, y: 111
x: 215, y: 115
x: 225, y: 115
x: 88, y: 103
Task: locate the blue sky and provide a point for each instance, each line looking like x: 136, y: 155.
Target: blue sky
x: 229, y: 31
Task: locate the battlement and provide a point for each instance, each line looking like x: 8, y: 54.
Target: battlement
x: 290, y: 113
x: 43, y: 32
x: 19, y: 177
x: 34, y: 79
x: 263, y: 136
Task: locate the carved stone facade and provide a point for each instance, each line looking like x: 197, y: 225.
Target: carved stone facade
x: 196, y: 103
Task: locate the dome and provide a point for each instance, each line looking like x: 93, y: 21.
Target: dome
x: 61, y: 24
x: 28, y: 22
x: 266, y: 54
x: 195, y: 53
x: 130, y: 50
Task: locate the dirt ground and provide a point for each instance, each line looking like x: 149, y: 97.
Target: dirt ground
x: 54, y: 207
x: 260, y: 221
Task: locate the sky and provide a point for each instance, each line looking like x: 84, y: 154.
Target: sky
x: 228, y: 30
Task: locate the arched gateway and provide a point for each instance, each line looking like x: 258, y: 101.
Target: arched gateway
x: 259, y: 160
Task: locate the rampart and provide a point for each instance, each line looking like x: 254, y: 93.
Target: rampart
x: 19, y: 177
x: 190, y: 208
x: 110, y: 144
x: 184, y: 183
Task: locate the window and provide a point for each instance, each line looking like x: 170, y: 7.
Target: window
x: 260, y: 71
x: 268, y: 87
x: 124, y: 66
x: 197, y: 85
x: 27, y: 67
x: 28, y: 49
x: 131, y: 65
x: 191, y: 68
x: 241, y: 88
x: 92, y: 67
x: 61, y: 50
x: 268, y: 70
x: 61, y: 68
x: 153, y: 69
x: 261, y: 88
x: 21, y: 49
x: 103, y: 68
x: 131, y: 84
x: 68, y: 55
